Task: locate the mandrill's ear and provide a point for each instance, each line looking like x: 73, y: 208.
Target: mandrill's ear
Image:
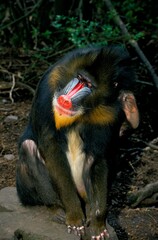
x: 129, y: 106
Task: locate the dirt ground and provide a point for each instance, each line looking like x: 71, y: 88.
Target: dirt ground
x: 139, y: 163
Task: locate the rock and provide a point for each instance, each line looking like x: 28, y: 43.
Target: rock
x: 4, y: 100
x: 11, y: 118
x: 31, y: 223
x: 34, y: 222
x: 9, y: 157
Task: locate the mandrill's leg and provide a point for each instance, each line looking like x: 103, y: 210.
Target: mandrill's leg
x: 97, y: 204
x: 33, y: 183
x: 60, y: 173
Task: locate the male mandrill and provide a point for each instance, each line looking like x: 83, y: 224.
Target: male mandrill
x: 68, y: 152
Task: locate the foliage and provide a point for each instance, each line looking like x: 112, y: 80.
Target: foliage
x: 32, y: 30
x: 140, y: 17
x: 83, y: 32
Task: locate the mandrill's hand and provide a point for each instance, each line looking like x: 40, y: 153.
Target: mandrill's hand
x: 75, y: 223
x: 78, y: 231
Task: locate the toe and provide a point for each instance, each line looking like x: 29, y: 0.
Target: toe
x: 79, y: 231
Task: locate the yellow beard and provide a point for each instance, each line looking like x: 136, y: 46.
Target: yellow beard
x: 64, y: 117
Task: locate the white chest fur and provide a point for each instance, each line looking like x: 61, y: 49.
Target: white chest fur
x: 76, y: 158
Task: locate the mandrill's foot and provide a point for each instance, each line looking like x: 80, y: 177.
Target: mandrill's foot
x: 84, y: 234
x: 95, y: 234
x: 79, y: 231
x: 75, y: 223
x: 102, y: 236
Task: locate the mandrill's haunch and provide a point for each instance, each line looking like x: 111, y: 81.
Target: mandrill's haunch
x: 68, y: 153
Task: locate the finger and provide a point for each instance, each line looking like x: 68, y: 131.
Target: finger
x: 69, y: 229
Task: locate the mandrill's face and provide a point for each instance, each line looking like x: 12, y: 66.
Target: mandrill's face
x: 75, y: 102
x: 68, y: 100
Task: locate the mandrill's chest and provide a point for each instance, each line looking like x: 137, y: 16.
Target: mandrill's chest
x: 85, y: 140
x: 78, y: 160
x: 84, y: 147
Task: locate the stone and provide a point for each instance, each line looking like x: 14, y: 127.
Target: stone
x: 9, y: 157
x: 11, y: 118
x: 35, y: 223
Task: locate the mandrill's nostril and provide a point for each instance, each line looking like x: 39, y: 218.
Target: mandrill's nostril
x: 65, y: 101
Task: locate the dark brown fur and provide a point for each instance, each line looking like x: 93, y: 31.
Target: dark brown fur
x: 65, y: 161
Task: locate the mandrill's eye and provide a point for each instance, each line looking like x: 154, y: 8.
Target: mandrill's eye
x: 84, y: 79
x: 80, y: 77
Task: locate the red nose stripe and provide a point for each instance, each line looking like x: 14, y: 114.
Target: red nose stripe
x: 78, y: 86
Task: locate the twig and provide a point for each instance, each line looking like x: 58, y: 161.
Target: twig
x: 23, y: 85
x: 8, y: 85
x: 131, y: 165
x: 133, y: 43
x: 16, y: 83
x: 12, y: 88
x: 81, y: 20
x: 150, y: 144
x: 24, y: 16
x: 60, y: 52
x: 143, y: 82
x: 131, y: 149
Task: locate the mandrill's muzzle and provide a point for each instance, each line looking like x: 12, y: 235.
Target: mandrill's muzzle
x: 69, y: 98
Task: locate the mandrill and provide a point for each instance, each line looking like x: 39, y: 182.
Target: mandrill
x: 68, y: 153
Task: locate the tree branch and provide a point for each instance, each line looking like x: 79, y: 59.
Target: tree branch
x: 133, y: 43
x: 22, y: 17
x: 5, y: 85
